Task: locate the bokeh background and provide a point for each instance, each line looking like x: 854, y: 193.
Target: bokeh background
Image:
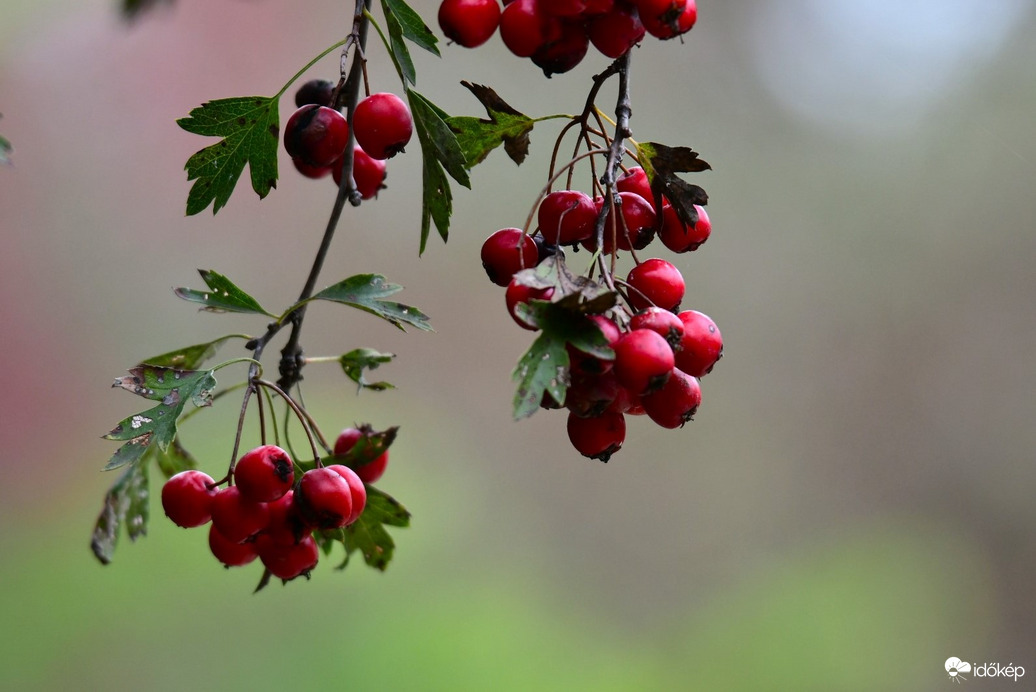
x: 852, y: 506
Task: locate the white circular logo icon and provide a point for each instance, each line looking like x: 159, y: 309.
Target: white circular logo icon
x: 955, y: 667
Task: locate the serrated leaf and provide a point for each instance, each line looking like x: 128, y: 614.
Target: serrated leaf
x: 190, y: 357
x: 437, y: 201
x: 126, y: 503
x: 398, y: 50
x: 543, y: 368
x: 157, y: 383
x: 367, y: 292
x: 661, y: 163
x: 505, y: 125
x: 250, y: 129
x: 368, y: 535
x: 413, y: 27
x: 368, y: 447
x: 355, y: 362
x: 223, y: 296
x: 385, y: 508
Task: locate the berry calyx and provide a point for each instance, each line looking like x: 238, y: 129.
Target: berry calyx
x: 382, y: 125
x: 566, y: 217
x: 520, y: 294
x: 370, y: 472
x: 316, y: 135
x: 324, y: 498
x: 469, y: 23
x: 597, y: 438
x: 701, y: 345
x: 264, y: 474
x: 676, y: 402
x: 655, y: 282
x: 643, y: 361
x: 187, y: 498
x: 506, y: 252
x: 237, y: 517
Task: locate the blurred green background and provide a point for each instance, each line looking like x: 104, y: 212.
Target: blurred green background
x: 851, y: 507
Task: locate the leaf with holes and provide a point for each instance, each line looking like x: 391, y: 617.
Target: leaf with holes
x: 367, y: 292
x: 223, y: 296
x: 126, y: 504
x: 505, y: 125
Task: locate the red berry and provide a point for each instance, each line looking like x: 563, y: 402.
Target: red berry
x: 598, y: 7
x: 382, y: 125
x: 526, y: 28
x: 187, y: 498
x: 237, y: 517
x: 284, y: 523
x: 502, y: 258
x: 356, y: 487
x: 590, y: 396
x: 655, y: 282
x: 288, y: 561
x: 676, y: 235
x: 566, y: 217
x: 264, y: 474
x: 580, y: 362
x: 661, y: 321
x: 228, y: 552
x: 666, y: 19
x: 316, y: 135
x: 597, y: 438
x: 315, y: 172
x: 635, y: 180
x: 643, y: 361
x: 701, y: 345
x: 368, y: 173
x: 469, y: 22
x: 616, y: 32
x: 633, y: 229
x: 521, y: 294
x: 564, y: 8
x: 324, y: 498
x: 369, y: 472
x: 315, y: 91
x: 676, y: 402
x: 564, y: 53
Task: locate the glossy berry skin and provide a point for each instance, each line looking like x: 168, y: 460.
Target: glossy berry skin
x: 315, y: 91
x: 356, y: 488
x: 566, y: 217
x: 701, y: 345
x: 284, y: 523
x: 678, y: 236
x: 635, y: 180
x: 525, y: 27
x: 314, y: 172
x: 316, y: 135
x: 565, y: 53
x: 634, y: 228
x: 520, y: 294
x: 663, y: 20
x: 676, y: 402
x: 264, y: 474
x: 237, y: 517
x: 324, y: 498
x: 228, y: 552
x: 368, y: 173
x: 370, y: 472
x: 643, y: 361
x: 597, y: 438
x: 506, y: 252
x: 564, y: 8
x: 616, y: 32
x: 663, y: 322
x: 288, y: 561
x: 655, y: 282
x: 187, y: 498
x: 382, y: 125
x: 469, y: 23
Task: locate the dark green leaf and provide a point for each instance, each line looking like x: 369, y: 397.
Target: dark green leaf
x: 413, y: 27
x: 223, y: 296
x: 190, y: 357
x: 398, y: 50
x: 437, y: 204
x: 368, y: 535
x: 158, y: 383
x: 384, y: 508
x: 368, y: 447
x: 250, y: 129
x: 130, y: 453
x: 543, y: 368
x: 661, y: 164
x: 174, y: 459
x: 478, y: 137
x: 125, y: 504
x: 355, y: 362
x: 367, y: 292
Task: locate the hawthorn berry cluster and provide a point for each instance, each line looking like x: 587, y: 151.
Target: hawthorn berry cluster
x: 270, y: 511
x: 556, y: 34
x: 317, y: 135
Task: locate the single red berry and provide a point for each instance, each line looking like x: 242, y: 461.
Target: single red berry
x: 507, y: 252
x: 643, y: 361
x: 526, y: 27
x: 615, y: 32
x: 315, y: 91
x: 316, y: 135
x: 228, y: 552
x: 597, y: 438
x: 663, y: 322
x: 264, y: 474
x: 589, y: 396
x: 701, y: 345
x: 237, y: 517
x: 382, y: 125
x: 520, y: 294
x: 356, y: 488
x: 288, y: 561
x: 632, y: 229
x: 565, y: 53
x: 667, y: 19
x: 655, y: 282
x: 324, y: 498
x: 676, y: 402
x: 564, y: 8
x: 368, y: 173
x: 371, y: 471
x: 187, y: 498
x: 469, y: 23
x: 580, y: 362
x: 284, y: 524
x: 566, y: 217
x: 315, y: 172
x: 678, y: 236
x: 635, y: 180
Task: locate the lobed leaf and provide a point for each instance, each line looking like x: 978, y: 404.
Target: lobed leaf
x: 250, y: 129
x: 398, y: 50
x: 505, y: 125
x: 355, y: 362
x: 661, y: 163
x: 223, y: 296
x: 367, y: 292
x: 125, y: 504
x: 190, y: 357
x: 541, y: 369
x: 411, y: 24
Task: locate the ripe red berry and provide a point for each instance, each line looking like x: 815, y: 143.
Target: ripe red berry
x: 526, y: 27
x: 655, y: 282
x: 315, y: 172
x: 370, y: 472
x: 643, y: 361
x: 324, y: 498
x: 520, y: 294
x: 635, y: 180
x: 356, y: 487
x: 676, y: 402
x: 228, y: 552
x: 661, y: 321
x: 566, y: 52
x: 264, y: 474
x: 634, y: 228
x: 566, y: 217
x: 315, y: 91
x: 701, y: 345
x: 288, y: 561
x: 382, y: 125
x: 666, y: 19
x: 316, y: 135
x: 469, y: 23
x: 368, y: 173
x: 507, y: 252
x: 590, y: 396
x: 615, y: 32
x: 597, y: 438
x: 237, y: 517
x: 564, y: 8
x: 284, y: 524
x: 187, y: 498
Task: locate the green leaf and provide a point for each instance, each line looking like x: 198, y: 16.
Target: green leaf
x: 368, y: 534
x: 398, y: 50
x: 126, y: 503
x: 505, y: 125
x: 661, y: 163
x: 367, y: 292
x: 368, y: 447
x: 173, y: 460
x: 386, y: 509
x: 190, y: 357
x: 249, y: 126
x: 411, y: 24
x: 543, y: 368
x: 356, y: 361
x: 223, y: 296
